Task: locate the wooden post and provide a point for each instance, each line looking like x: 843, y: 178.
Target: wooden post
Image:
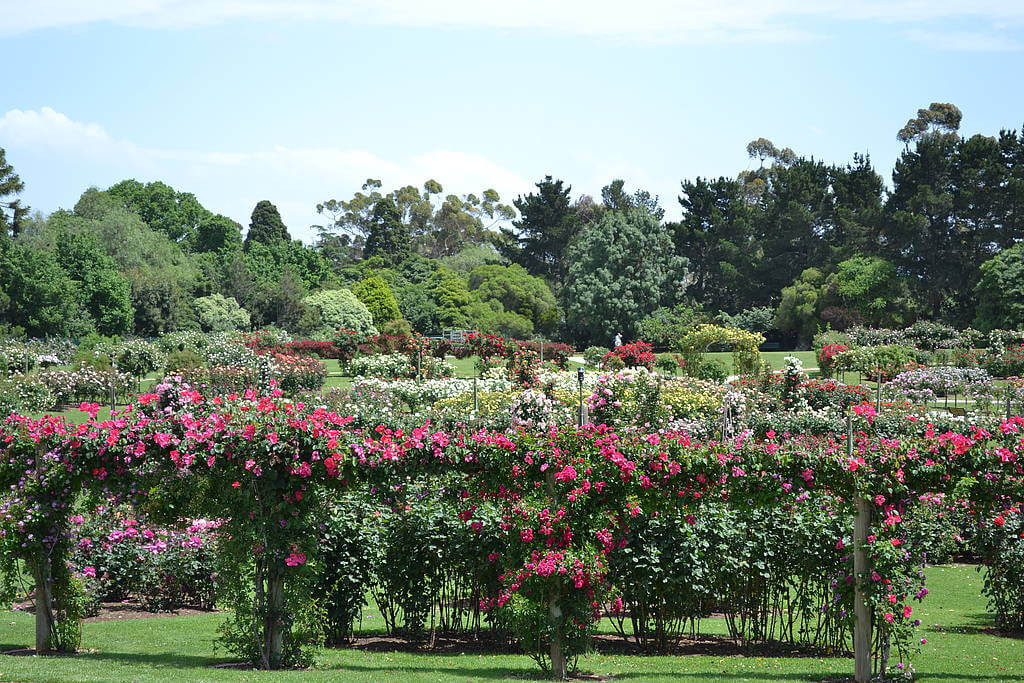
x: 559, y: 670
x: 273, y: 633
x: 862, y: 615
x: 44, y: 605
x: 556, y: 650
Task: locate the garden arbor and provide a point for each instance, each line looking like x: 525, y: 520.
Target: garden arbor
x: 745, y: 355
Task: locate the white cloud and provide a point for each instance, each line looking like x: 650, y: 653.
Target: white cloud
x: 644, y: 20
x: 965, y: 41
x: 295, y: 179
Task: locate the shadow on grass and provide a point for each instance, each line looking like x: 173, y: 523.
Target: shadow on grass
x: 493, y: 644
x: 983, y: 624
x: 162, y: 659
x: 175, y: 661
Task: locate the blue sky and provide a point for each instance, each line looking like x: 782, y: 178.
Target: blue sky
x: 297, y: 102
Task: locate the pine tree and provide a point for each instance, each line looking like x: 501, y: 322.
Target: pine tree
x: 11, y: 212
x: 266, y: 225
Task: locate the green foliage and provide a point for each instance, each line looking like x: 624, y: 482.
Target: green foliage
x: 137, y: 357
x: 177, y: 215
x: 801, y: 305
x: 215, y: 234
x: 760, y: 320
x: 106, y: 293
x: 474, y: 256
x: 745, y: 353
x: 878, y: 361
x: 350, y: 551
x: 717, y: 235
x: 397, y: 328
x: 177, y: 361
x: 218, y: 313
x: 377, y: 297
x: 10, y: 184
x: 437, y: 227
x: 519, y: 293
x: 593, y: 355
x: 491, y: 317
x: 548, y: 222
x: 36, y: 294
x: 266, y: 226
x: 339, y: 309
x: 388, y: 237
x: 1001, y: 291
x: 450, y: 292
x: 163, y: 278
x: 870, y: 286
x: 667, y: 324
x: 622, y: 268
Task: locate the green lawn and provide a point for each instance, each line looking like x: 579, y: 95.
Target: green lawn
x: 776, y: 359
x: 181, y: 648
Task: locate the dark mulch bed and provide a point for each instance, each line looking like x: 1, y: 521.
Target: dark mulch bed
x: 116, y: 611
x: 492, y: 643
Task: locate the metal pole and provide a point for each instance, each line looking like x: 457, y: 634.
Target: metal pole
x: 476, y: 400
x: 113, y: 387
x: 1009, y: 388
x: 579, y: 379
x: 878, y: 398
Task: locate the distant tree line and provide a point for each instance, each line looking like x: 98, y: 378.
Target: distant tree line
x: 787, y: 248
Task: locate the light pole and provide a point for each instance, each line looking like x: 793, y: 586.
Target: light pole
x: 579, y: 380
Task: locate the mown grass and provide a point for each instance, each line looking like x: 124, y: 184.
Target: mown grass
x: 961, y: 647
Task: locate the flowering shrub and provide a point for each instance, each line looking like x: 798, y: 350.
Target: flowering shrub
x: 534, y: 410
x: 347, y: 344
x: 86, y: 384
x: 594, y: 355
x: 688, y: 398
x: 16, y: 358
x: 136, y: 357
x: 524, y: 367
x: 880, y: 363
x: 552, y: 352
x: 540, y: 517
x: 929, y: 336
x: 119, y: 557
x: 299, y: 373
x: 1000, y: 541
x: 186, y: 340
x: 628, y: 397
x: 866, y: 336
x: 45, y: 464
x: 397, y: 365
x: 485, y: 346
x: 638, y: 354
x: 225, y: 350
x: 1002, y: 361
x: 827, y: 356
x: 265, y: 464
x: 926, y: 384
x: 21, y: 394
x: 1004, y: 338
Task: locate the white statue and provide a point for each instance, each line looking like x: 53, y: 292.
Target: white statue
x: 618, y: 339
